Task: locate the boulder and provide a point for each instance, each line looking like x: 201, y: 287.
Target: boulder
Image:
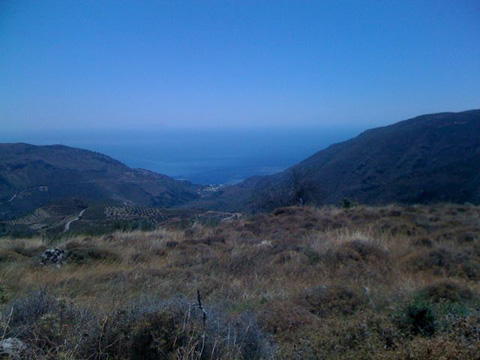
x: 53, y: 257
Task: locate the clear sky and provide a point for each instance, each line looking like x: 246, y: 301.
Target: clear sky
x: 234, y: 64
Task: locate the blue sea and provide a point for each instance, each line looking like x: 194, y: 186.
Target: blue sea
x: 206, y: 156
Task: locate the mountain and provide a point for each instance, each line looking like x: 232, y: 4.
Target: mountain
x: 34, y: 176
x: 427, y: 159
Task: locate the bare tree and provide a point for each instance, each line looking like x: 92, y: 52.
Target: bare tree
x: 292, y: 189
x: 301, y: 188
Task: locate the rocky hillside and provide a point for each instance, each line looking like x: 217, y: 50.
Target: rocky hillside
x: 430, y: 158
x: 33, y: 176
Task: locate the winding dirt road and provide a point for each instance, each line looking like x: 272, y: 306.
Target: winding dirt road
x: 79, y: 216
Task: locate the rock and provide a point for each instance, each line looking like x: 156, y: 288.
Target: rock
x: 53, y: 257
x: 12, y: 348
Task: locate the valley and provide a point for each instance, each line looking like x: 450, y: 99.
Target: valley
x: 428, y: 159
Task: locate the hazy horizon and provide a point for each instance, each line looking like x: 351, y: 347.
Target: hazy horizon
x: 217, y: 91
x: 209, y: 156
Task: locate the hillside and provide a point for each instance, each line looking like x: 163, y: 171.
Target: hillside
x: 393, y: 282
x: 34, y: 176
x: 430, y: 158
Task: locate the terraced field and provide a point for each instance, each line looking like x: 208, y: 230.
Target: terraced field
x: 134, y: 212
x: 36, y: 217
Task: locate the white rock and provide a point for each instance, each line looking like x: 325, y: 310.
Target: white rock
x: 13, y: 348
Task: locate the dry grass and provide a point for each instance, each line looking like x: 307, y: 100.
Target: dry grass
x: 323, y: 282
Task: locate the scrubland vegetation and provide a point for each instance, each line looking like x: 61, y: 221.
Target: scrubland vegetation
x: 394, y: 282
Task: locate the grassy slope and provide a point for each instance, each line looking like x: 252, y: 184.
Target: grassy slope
x: 394, y: 282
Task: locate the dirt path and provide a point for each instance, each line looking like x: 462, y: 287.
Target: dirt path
x: 67, y: 225
x: 231, y: 217
x: 9, y: 201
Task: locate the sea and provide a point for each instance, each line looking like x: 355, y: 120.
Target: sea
x: 202, y: 156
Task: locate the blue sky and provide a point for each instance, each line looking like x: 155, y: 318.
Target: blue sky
x: 234, y: 64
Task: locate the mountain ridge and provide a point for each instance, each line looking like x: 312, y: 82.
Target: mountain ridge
x: 32, y: 176
x: 425, y: 159
x: 428, y: 158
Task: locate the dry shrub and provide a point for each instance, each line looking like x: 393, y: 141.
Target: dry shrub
x: 50, y: 326
x: 394, y: 213
x: 189, y: 255
x: 74, y: 244
x: 240, y: 262
x: 326, y: 224
x: 171, y: 244
x: 446, y: 236
x: 342, y: 255
x: 356, y: 251
x: 7, y: 256
x: 288, y: 211
x: 440, y: 261
x: 422, y: 242
x: 175, y: 329
x: 294, y: 219
x: 358, y: 258
x: 328, y: 300
x: 437, y: 261
x: 401, y: 229
x: 385, y: 256
x: 255, y: 228
x: 437, y: 348
x: 291, y: 257
x: 138, y: 258
x: 373, y: 336
x: 447, y: 290
x: 467, y: 237
x: 109, y: 238
x: 364, y: 215
x: 29, y: 251
x: 211, y: 285
x: 214, y: 239
x: 84, y: 255
x: 369, y: 252
x: 282, y: 318
x: 462, y: 341
x: 369, y: 336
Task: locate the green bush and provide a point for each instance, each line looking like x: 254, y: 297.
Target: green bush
x: 417, y: 318
x: 155, y: 337
x: 436, y: 308
x: 347, y: 203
